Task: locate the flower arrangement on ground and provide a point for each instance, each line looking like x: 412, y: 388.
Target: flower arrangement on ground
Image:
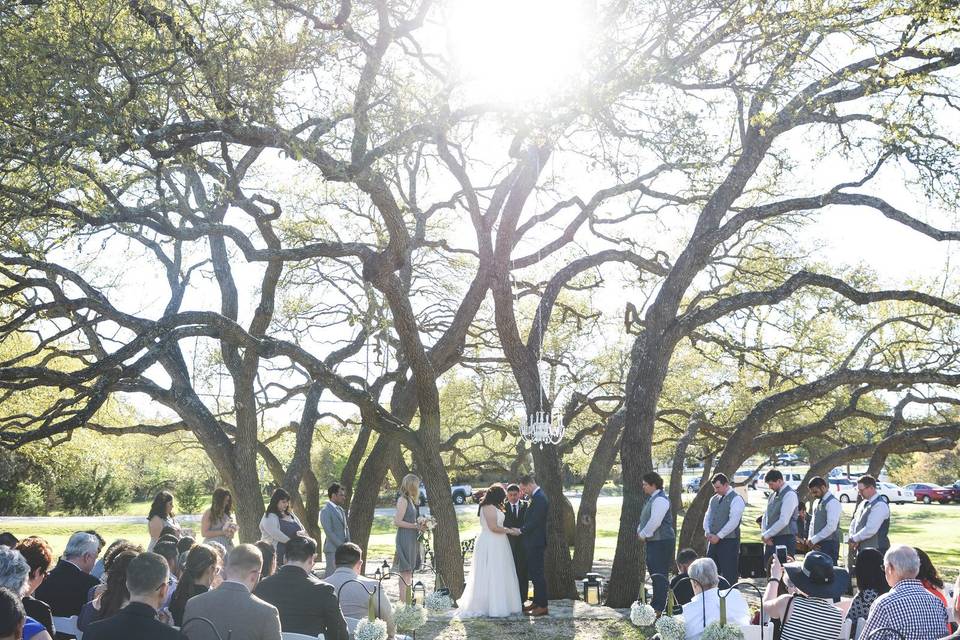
x: 671, y: 627
x: 371, y: 630
x: 409, y: 617
x: 641, y: 613
x: 717, y: 631
x: 438, y: 601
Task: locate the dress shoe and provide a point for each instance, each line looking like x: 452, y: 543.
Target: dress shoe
x: 538, y: 611
x: 529, y: 607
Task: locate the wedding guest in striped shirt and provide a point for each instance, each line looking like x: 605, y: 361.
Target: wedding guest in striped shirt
x: 807, y: 611
x: 908, y: 607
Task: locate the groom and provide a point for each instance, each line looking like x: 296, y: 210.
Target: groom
x: 534, y: 531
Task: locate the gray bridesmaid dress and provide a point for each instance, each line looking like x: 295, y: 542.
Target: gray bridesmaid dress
x: 407, y: 557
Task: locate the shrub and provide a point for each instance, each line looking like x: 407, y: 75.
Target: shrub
x: 191, y: 495
x: 92, y: 493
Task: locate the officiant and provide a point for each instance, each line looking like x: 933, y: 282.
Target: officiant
x: 515, y: 513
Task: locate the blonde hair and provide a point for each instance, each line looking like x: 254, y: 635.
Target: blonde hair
x: 410, y: 486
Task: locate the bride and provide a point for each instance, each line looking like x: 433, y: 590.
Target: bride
x: 492, y: 588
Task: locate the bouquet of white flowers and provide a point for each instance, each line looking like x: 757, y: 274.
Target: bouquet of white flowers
x: 438, y: 601
x: 642, y: 614
x: 426, y: 523
x: 671, y: 628
x: 409, y: 617
x: 718, y: 631
x: 371, y: 630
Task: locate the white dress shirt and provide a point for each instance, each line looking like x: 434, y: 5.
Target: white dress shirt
x: 834, y: 509
x: 879, y: 511
x: 788, y: 506
x: 658, y: 509
x: 737, y: 505
x: 738, y: 613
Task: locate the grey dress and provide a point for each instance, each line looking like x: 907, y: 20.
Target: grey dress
x: 218, y: 526
x: 407, y: 557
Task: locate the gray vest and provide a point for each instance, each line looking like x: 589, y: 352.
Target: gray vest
x: 720, y: 514
x: 665, y: 530
x: 880, y: 540
x: 774, y: 504
x: 820, y: 518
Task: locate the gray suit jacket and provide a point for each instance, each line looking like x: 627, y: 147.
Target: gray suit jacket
x: 234, y: 610
x: 335, y: 528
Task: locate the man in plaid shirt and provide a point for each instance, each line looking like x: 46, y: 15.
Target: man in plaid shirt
x: 907, y: 607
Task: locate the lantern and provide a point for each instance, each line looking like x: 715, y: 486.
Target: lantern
x: 377, y: 575
x: 419, y: 593
x: 593, y: 589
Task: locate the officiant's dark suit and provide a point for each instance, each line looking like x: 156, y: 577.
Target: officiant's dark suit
x: 535, y: 544
x: 514, y: 520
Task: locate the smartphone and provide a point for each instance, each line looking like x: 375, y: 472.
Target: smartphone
x: 782, y: 553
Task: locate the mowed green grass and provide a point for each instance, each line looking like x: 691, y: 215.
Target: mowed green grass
x: 929, y: 527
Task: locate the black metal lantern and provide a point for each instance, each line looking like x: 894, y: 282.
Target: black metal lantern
x: 419, y: 593
x: 593, y: 589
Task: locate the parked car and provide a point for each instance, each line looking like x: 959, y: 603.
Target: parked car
x: 844, y: 489
x: 927, y: 492
x: 743, y: 475
x: 787, y: 458
x: 892, y: 493
x: 793, y: 480
x: 956, y: 490
x: 458, y: 492
x: 693, y: 486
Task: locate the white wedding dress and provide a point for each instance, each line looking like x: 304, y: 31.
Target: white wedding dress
x: 492, y: 589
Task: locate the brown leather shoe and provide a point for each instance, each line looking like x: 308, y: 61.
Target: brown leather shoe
x: 538, y: 611
x: 527, y: 608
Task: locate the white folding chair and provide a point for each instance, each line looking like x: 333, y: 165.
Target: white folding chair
x: 846, y: 628
x: 755, y: 632
x: 287, y: 635
x: 858, y: 628
x: 67, y: 625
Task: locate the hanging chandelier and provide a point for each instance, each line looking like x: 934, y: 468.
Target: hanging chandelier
x: 540, y: 429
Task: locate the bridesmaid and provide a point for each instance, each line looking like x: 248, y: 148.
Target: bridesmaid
x: 161, y: 517
x: 217, y: 524
x: 279, y: 524
x: 407, y: 558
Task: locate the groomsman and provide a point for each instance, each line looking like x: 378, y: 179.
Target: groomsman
x: 656, y: 530
x: 516, y: 512
x: 336, y: 530
x: 779, y: 522
x: 826, y: 520
x: 871, y: 519
x: 721, y: 525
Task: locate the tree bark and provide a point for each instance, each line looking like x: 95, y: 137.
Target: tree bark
x: 364, y: 498
x: 559, y: 569
x: 585, y: 536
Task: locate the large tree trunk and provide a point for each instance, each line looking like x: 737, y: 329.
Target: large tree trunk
x: 676, y: 473
x: 585, y: 536
x: 448, y: 562
x: 349, y: 475
x: 364, y: 499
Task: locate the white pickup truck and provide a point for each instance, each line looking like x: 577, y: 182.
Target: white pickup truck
x: 460, y: 493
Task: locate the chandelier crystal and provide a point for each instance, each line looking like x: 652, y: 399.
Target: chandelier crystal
x: 540, y: 429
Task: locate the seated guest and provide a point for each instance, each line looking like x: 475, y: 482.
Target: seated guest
x: 101, y: 543
x: 803, y: 522
x: 929, y: 577
x: 354, y: 598
x: 197, y: 576
x: 232, y: 609
x: 7, y: 539
x: 871, y: 582
x: 108, y: 559
x: 146, y: 582
x: 13, y: 580
x: 807, y: 611
x: 99, y: 569
x: 681, y: 585
x: 113, y: 598
x: 908, y: 608
x: 168, y: 551
x: 306, y: 604
x: 704, y: 608
x: 269, y: 558
x: 184, y: 545
x: 39, y: 557
x: 66, y: 587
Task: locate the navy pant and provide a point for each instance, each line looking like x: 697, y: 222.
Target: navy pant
x: 537, y: 575
x: 726, y: 554
x: 660, y: 557
x: 787, y: 540
x: 831, y: 548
